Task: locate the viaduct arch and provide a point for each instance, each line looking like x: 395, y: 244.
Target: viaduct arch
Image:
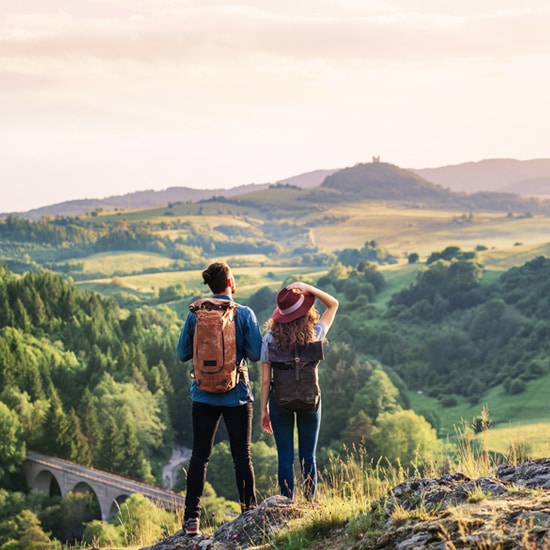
x: 41, y: 471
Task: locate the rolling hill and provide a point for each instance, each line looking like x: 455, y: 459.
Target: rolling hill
x: 151, y: 199
x: 383, y: 181
x: 132, y: 201
x: 380, y: 181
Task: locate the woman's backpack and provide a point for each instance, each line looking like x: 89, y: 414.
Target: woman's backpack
x: 295, y: 378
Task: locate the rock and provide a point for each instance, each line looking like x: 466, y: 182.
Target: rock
x: 250, y: 529
x: 454, y: 511
x: 535, y: 473
x: 448, y: 490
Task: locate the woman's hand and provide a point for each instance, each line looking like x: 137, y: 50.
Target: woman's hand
x: 298, y: 287
x: 266, y: 423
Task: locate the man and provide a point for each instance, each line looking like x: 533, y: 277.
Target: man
x: 235, y: 405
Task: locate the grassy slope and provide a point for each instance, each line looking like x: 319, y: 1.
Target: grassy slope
x: 403, y: 230
x: 124, y: 262
x: 249, y: 279
x: 517, y: 419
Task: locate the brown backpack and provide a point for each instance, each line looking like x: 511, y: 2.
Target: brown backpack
x: 215, y: 366
x: 295, y: 378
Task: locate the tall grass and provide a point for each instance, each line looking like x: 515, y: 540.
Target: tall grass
x: 353, y: 483
x: 347, y: 487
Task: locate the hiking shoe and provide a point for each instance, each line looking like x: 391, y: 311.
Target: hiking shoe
x: 191, y: 527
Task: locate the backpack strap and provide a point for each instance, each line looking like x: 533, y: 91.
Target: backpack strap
x: 297, y: 363
x: 212, y: 303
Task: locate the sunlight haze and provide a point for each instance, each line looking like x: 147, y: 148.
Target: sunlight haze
x: 106, y: 97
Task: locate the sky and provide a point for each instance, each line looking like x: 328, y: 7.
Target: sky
x: 107, y: 97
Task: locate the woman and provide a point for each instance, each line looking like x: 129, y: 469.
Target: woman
x: 295, y: 323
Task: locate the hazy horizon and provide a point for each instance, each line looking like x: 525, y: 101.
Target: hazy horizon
x: 107, y: 98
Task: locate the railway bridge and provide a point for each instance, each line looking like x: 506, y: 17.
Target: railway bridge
x: 110, y: 489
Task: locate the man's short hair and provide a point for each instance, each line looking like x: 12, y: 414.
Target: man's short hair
x: 216, y: 276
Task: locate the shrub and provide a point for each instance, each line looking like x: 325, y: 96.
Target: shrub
x: 517, y: 386
x: 449, y: 401
x: 98, y: 533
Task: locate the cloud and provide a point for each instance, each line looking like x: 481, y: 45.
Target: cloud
x: 182, y: 58
x: 214, y: 33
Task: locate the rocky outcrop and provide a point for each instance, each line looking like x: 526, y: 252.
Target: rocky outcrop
x: 251, y: 529
x: 508, y: 511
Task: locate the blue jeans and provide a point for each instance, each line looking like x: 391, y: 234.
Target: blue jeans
x: 308, y: 423
x: 206, y: 419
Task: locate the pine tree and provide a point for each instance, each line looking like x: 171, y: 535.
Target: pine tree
x: 80, y: 450
x: 21, y: 317
x: 112, y: 451
x: 159, y: 379
x: 87, y: 412
x: 135, y: 464
x: 57, y: 437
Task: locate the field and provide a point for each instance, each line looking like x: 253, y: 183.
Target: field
x: 124, y: 262
x: 403, y: 230
x: 531, y: 438
x: 248, y: 277
x: 518, y: 420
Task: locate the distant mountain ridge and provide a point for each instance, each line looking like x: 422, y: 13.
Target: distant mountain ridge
x: 154, y: 199
x: 137, y: 200
x: 522, y: 177
x: 529, y: 177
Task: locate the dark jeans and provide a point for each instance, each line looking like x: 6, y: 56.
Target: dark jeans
x: 308, y: 422
x: 206, y: 419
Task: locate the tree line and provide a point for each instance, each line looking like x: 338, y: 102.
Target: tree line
x: 58, y: 244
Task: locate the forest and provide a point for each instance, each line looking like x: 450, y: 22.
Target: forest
x: 92, y: 306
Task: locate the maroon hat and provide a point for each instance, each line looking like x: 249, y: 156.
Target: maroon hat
x: 291, y: 305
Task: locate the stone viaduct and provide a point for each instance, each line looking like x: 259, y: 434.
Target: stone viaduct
x: 110, y: 490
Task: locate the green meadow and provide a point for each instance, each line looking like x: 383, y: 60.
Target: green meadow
x: 403, y: 230
x: 251, y: 273
x: 518, y: 421
x: 124, y: 262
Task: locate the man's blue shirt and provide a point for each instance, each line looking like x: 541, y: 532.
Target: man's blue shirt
x: 249, y: 345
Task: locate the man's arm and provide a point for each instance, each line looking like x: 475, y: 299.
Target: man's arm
x: 184, y: 348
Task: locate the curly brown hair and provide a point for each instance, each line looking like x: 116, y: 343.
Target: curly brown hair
x: 296, y: 333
